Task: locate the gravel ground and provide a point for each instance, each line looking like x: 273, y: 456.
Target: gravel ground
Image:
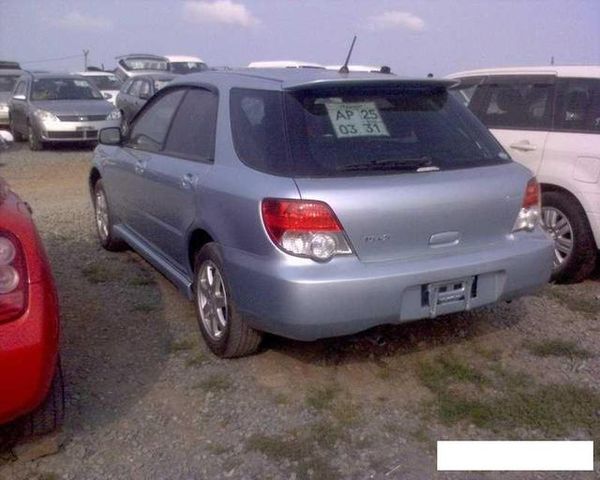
x: 147, y: 400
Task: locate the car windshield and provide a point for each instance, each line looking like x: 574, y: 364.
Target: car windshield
x: 144, y: 64
x: 64, y: 89
x: 7, y: 82
x: 188, y: 67
x: 105, y: 82
x: 340, y: 132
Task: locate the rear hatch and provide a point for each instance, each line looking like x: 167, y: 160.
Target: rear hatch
x: 391, y: 217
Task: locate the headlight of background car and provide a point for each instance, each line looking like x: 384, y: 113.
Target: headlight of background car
x: 114, y: 115
x: 45, y: 116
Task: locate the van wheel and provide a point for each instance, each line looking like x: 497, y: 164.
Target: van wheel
x: 50, y: 414
x: 104, y: 221
x: 225, y: 331
x: 35, y: 142
x: 18, y: 136
x: 575, y: 250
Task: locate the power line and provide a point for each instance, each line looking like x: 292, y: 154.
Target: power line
x: 70, y: 57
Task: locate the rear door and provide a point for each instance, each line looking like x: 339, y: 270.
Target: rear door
x: 176, y: 174
x: 518, y: 111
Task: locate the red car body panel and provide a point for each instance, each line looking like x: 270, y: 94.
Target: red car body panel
x: 29, y: 343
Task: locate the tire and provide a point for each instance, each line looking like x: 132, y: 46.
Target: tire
x: 49, y: 416
x: 18, y: 136
x: 104, y: 220
x: 35, y: 141
x: 580, y: 261
x: 236, y: 337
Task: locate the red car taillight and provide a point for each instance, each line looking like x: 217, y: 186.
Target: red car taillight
x: 13, y: 278
x: 530, y: 212
x: 304, y: 228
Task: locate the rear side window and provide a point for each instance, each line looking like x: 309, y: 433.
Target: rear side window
x: 150, y: 128
x: 465, y: 90
x: 578, y: 105
x: 192, y: 133
x: 343, y: 131
x: 21, y: 88
x: 517, y: 102
x: 135, y: 88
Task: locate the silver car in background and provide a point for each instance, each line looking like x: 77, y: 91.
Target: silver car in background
x: 50, y: 107
x: 8, y: 79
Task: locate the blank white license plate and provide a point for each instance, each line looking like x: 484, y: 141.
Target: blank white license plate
x: 451, y: 291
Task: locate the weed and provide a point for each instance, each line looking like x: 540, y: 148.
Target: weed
x: 215, y: 383
x: 142, y: 281
x: 181, y: 345
x: 97, y: 273
x: 558, y: 348
x: 575, y: 303
x: 198, y: 359
x: 321, y: 398
x: 439, y: 373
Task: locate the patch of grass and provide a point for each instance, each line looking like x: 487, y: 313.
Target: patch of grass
x: 181, y: 345
x: 281, y: 399
x: 215, y: 383
x: 144, y: 307
x: 304, y: 447
x: 217, y: 448
x: 575, y: 303
x: 141, y: 281
x: 48, y: 476
x: 558, y: 348
x: 198, y: 359
x: 346, y: 413
x: 437, y: 374
x: 321, y: 398
x: 384, y: 372
x: 97, y: 273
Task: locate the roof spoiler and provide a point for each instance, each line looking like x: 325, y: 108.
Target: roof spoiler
x: 6, y: 65
x: 372, y: 82
x: 148, y: 56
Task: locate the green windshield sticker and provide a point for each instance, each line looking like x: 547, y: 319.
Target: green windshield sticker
x: 358, y: 119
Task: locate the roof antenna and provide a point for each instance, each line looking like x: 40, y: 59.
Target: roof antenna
x: 344, y: 68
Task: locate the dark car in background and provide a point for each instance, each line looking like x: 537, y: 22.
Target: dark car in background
x: 136, y: 91
x: 54, y: 107
x: 9, y: 74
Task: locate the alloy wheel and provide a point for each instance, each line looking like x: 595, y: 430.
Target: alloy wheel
x: 558, y: 226
x: 212, y: 300
x: 102, y: 215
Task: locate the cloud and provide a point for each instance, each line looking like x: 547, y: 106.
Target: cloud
x: 219, y: 11
x: 80, y: 21
x: 396, y: 19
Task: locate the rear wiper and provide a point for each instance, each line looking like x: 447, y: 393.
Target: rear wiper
x: 393, y: 164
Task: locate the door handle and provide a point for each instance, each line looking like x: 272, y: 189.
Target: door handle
x: 140, y: 166
x: 188, y: 181
x: 523, y: 146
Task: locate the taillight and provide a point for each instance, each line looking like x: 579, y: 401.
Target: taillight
x: 304, y: 228
x: 530, y: 212
x: 13, y: 278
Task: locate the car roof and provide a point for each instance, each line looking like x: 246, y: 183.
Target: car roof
x: 10, y: 71
x: 284, y: 64
x: 157, y: 76
x: 53, y: 74
x: 298, y: 78
x: 584, y: 71
x: 183, y: 58
x: 94, y: 73
x: 355, y: 68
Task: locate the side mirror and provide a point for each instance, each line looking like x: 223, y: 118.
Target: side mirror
x: 19, y: 97
x: 110, y: 136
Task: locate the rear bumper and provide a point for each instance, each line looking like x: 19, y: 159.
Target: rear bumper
x: 74, y: 131
x: 305, y: 300
x: 28, y: 353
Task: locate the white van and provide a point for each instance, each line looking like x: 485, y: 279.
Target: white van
x: 548, y: 119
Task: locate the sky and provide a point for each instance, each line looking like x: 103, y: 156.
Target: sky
x: 413, y: 37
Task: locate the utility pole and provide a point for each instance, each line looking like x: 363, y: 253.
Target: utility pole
x: 85, y: 56
x: 552, y: 60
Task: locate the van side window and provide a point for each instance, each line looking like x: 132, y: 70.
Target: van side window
x: 517, y: 103
x: 192, y: 134
x: 21, y: 88
x: 151, y: 127
x: 578, y: 105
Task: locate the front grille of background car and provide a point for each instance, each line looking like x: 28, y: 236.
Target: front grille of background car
x: 78, y: 118
x: 84, y: 134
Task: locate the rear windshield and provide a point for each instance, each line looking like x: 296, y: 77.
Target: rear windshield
x: 7, y: 82
x: 64, y: 89
x: 355, y: 131
x: 105, y: 82
x: 187, y: 67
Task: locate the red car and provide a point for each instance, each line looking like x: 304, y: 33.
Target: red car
x: 31, y: 388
